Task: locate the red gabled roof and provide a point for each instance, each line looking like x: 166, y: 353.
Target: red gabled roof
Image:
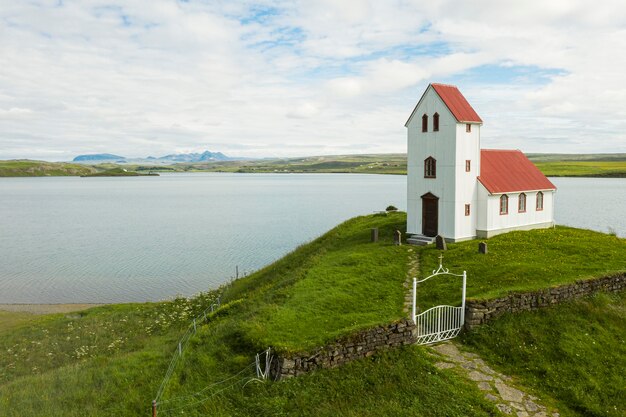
x: 503, y: 171
x: 456, y: 103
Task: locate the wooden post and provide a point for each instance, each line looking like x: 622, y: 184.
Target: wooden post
x: 237, y: 271
x: 154, y: 410
x: 374, y: 235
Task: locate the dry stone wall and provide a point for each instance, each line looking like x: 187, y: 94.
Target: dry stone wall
x: 481, y: 312
x: 360, y: 345
x: 367, y: 342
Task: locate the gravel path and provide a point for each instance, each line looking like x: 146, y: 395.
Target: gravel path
x: 497, y: 387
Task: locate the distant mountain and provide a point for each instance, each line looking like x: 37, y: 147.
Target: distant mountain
x: 98, y: 157
x: 206, y: 156
x: 196, y: 157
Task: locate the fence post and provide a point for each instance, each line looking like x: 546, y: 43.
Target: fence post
x: 180, y: 349
x: 194, y: 325
x: 154, y: 410
x: 414, y: 298
x: 463, y: 301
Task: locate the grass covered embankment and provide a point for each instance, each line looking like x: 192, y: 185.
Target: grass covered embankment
x: 522, y: 261
x: 574, y: 353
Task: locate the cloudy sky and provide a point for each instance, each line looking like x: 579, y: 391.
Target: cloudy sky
x: 292, y: 78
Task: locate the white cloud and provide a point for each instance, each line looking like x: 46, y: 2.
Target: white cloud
x: 287, y: 78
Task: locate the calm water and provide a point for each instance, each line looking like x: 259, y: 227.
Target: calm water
x: 70, y: 239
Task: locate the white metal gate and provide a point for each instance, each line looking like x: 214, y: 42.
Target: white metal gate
x: 441, y: 322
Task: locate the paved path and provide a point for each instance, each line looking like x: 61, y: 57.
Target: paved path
x: 497, y: 387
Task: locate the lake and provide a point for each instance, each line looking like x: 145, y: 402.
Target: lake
x: 69, y: 239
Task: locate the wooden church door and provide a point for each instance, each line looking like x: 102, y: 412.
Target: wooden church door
x: 430, y: 214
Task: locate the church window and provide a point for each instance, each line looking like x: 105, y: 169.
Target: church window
x: 504, y: 204
x: 467, y: 209
x: 521, y: 203
x: 424, y: 123
x: 436, y: 122
x: 468, y: 127
x: 539, y: 201
x: 430, y: 167
x: 468, y: 165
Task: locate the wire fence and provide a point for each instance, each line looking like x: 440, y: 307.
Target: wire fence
x: 183, y: 342
x: 261, y: 365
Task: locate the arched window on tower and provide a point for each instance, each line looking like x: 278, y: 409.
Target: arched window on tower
x: 430, y: 167
x: 425, y: 123
x: 436, y: 122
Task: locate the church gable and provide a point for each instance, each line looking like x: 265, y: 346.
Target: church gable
x: 425, y: 107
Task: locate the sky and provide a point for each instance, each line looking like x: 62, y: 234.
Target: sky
x: 295, y: 78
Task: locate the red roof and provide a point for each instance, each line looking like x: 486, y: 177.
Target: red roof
x: 457, y: 104
x: 503, y: 171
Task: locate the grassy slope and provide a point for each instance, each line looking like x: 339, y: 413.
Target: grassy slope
x: 523, y: 261
x: 110, y: 360
x: 338, y: 284
x: 574, y: 353
x: 41, y: 169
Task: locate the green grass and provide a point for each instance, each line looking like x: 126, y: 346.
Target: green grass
x: 10, y: 320
x: 402, y: 382
x: 522, y: 261
x: 574, y: 353
x: 26, y: 168
x: 338, y: 284
x: 583, y: 168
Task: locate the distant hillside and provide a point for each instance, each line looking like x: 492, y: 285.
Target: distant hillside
x: 195, y: 157
x: 28, y: 168
x: 591, y: 157
x: 99, y: 157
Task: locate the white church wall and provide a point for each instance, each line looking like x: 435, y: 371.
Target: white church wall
x: 532, y: 218
x: 466, y: 192
x: 441, y: 146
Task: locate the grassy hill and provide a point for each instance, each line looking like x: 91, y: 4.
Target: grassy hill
x: 27, y: 168
x: 110, y: 360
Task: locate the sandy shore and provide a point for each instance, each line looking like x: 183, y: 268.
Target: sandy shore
x: 46, y: 308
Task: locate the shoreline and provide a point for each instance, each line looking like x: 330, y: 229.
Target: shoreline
x: 38, y: 309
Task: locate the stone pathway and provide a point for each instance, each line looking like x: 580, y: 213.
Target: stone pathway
x: 497, y: 387
x: 408, y: 284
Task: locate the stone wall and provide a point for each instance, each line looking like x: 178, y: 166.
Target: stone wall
x: 367, y: 342
x: 481, y: 312
x: 360, y: 345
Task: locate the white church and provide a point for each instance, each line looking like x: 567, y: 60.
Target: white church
x: 460, y: 191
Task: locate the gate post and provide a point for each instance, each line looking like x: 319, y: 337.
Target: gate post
x: 414, y: 299
x: 463, y: 301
